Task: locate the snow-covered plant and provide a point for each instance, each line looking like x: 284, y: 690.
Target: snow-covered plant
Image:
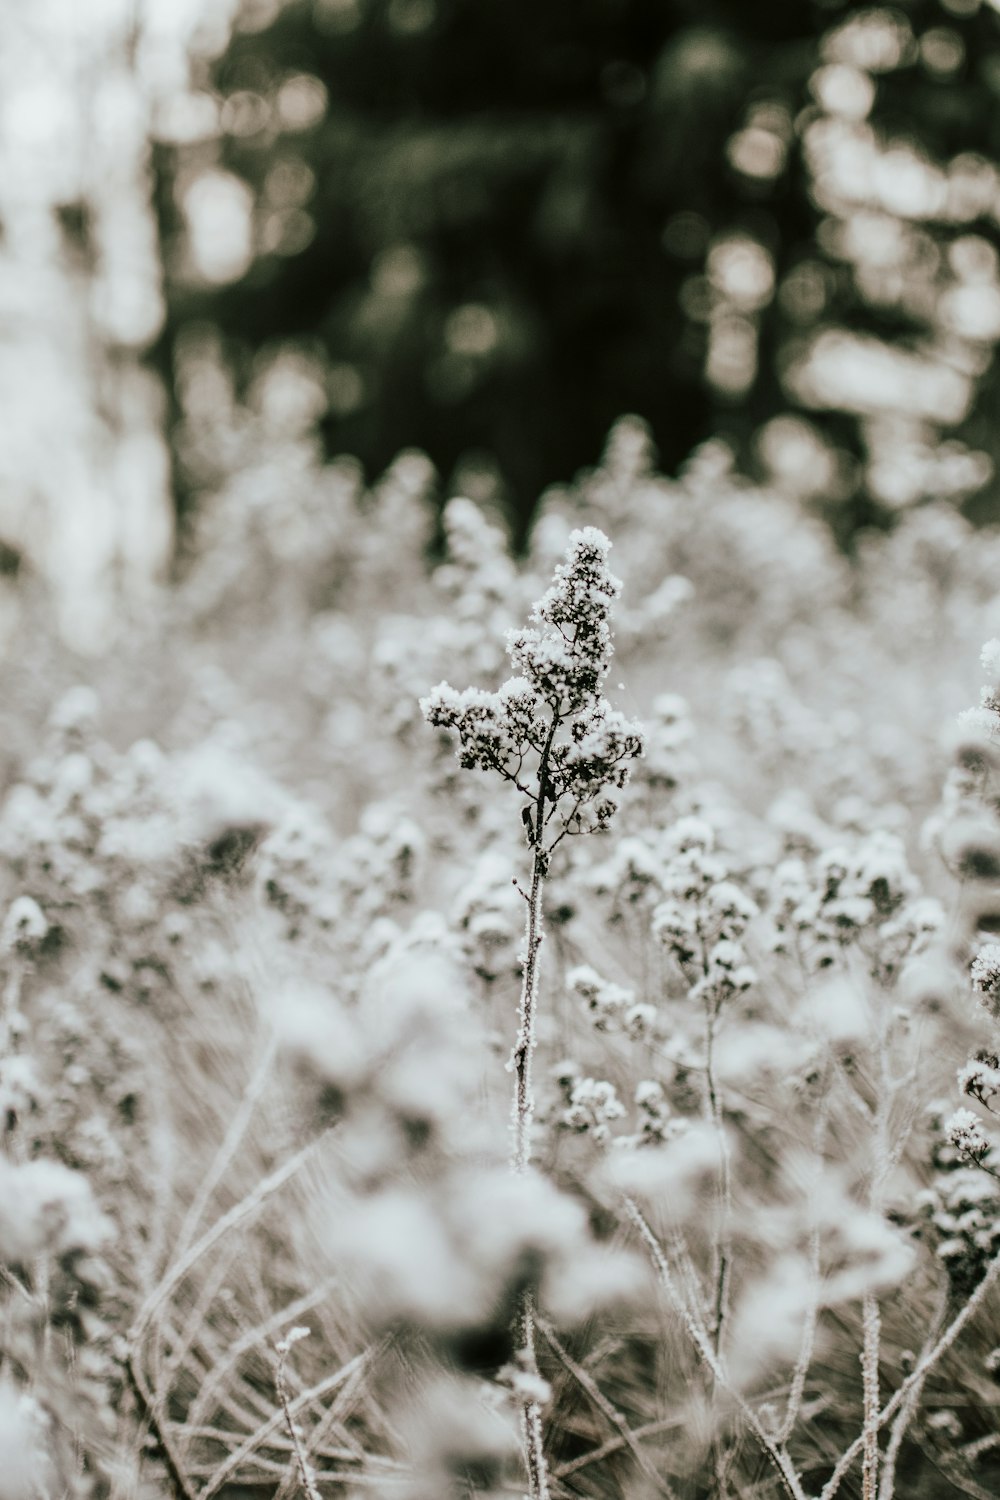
x: 549, y: 732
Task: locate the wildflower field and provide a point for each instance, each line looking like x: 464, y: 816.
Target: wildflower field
x: 499, y: 897
x: 480, y: 1024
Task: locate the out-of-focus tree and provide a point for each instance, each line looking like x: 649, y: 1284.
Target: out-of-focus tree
x: 481, y: 214
x: 852, y: 304
x: 495, y: 227
x: 84, y: 470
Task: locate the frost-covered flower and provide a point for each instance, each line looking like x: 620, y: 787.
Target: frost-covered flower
x: 985, y: 975
x: 965, y: 1133
x: 548, y: 730
x: 980, y: 1077
x: 606, y: 1002
x: 593, y: 1107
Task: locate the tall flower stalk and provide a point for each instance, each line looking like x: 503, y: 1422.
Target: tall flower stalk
x: 552, y: 734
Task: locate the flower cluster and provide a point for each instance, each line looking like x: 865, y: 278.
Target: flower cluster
x: 963, y: 1208
x: 986, y: 716
x: 549, y: 730
x: 985, y: 975
x: 611, y: 1007
x: 965, y: 1134
x: 705, y: 915
x: 980, y: 1078
x: 844, y: 893
x: 592, y: 1107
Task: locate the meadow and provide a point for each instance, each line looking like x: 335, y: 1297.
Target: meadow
x: 442, y: 1063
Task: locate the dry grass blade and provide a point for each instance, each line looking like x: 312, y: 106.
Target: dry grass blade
x: 323, y: 1388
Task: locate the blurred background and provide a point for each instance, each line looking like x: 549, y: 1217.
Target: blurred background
x: 485, y: 229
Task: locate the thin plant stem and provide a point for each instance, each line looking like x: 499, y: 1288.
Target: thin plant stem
x: 229, y: 1467
x: 808, y: 1340
x: 302, y: 1463
x: 240, y: 1211
x: 722, y: 1256
x: 524, y: 1045
x: 230, y: 1144
x: 917, y: 1376
x: 616, y: 1444
x: 714, y: 1109
x: 531, y: 1411
x: 250, y: 1340
x: 887, y: 1483
x: 870, y: 1316
x: 587, y: 1383
x: 330, y: 1418
x: 797, y: 1389
x: 872, y: 1330
x: 523, y: 1116
x: 152, y: 1400
x: 775, y: 1452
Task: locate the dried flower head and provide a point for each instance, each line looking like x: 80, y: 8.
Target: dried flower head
x: 549, y: 730
x: 985, y: 976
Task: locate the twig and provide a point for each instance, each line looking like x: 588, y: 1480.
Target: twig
x: 221, y: 1227
x: 872, y: 1329
x: 597, y: 1396
x: 281, y: 1386
x: 775, y: 1452
x: 230, y: 1465
x: 333, y: 1414
x: 907, y: 1411
x: 152, y: 1414
x: 918, y: 1375
x: 250, y: 1340
x: 615, y: 1445
x: 153, y: 1400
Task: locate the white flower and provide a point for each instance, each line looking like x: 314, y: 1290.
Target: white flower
x: 24, y: 927
x: 46, y: 1207
x: 550, y: 715
x: 985, y: 970
x: 966, y: 1134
